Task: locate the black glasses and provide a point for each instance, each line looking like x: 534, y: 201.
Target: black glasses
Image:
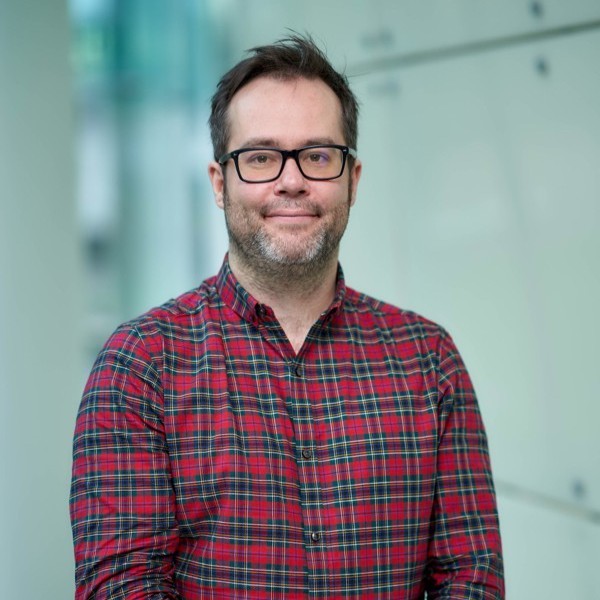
x: 261, y: 165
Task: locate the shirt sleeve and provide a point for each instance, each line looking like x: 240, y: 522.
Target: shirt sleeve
x: 465, y: 554
x: 122, y: 501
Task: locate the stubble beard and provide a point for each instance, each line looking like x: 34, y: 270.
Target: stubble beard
x: 293, y: 259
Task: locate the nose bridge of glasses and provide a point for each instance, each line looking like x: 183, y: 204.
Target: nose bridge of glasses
x: 294, y: 154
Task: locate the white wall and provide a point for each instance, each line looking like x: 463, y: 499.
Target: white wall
x: 40, y: 305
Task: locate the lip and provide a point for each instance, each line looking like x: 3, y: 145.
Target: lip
x: 291, y: 212
x: 291, y: 216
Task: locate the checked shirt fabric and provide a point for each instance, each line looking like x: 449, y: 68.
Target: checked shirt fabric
x: 211, y: 461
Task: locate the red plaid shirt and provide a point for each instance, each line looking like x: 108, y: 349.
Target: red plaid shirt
x: 211, y: 461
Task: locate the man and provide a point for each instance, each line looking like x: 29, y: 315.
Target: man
x: 273, y: 433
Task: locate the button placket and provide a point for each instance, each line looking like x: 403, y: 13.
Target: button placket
x: 299, y: 406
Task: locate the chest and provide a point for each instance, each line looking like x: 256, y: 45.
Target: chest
x: 347, y: 420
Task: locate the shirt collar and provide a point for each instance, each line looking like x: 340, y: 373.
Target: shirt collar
x: 250, y: 309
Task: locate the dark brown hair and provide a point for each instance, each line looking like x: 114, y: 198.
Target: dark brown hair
x: 292, y: 57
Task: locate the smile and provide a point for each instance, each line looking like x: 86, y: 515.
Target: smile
x: 295, y: 219
x: 291, y: 216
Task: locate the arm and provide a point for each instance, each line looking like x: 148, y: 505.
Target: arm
x: 122, y: 504
x: 465, y: 554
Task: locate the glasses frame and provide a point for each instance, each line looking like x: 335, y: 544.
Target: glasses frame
x: 285, y: 154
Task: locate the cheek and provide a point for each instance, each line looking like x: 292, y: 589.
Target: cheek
x: 246, y: 203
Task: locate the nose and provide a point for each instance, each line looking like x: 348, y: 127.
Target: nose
x: 291, y: 180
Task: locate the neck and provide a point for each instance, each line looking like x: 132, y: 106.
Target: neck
x: 298, y: 294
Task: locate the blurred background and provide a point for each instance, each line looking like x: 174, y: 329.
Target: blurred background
x: 479, y: 208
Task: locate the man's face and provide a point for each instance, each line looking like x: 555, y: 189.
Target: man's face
x: 292, y: 220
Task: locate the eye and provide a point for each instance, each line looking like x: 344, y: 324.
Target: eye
x: 318, y: 156
x: 260, y: 158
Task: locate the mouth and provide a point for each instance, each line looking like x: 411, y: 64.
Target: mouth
x: 292, y: 215
x: 292, y: 220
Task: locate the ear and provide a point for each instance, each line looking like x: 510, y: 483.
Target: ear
x: 355, y: 174
x: 217, y: 180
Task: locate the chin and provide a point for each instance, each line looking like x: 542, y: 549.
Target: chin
x: 299, y: 250
x: 288, y: 256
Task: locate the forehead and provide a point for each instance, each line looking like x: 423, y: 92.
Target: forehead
x: 285, y: 111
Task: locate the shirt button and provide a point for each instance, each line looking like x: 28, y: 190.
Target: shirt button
x: 315, y: 536
x: 307, y: 453
x: 298, y: 371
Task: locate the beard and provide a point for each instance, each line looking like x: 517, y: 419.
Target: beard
x: 289, y: 253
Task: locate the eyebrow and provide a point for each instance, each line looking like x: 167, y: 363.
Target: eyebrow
x: 272, y: 143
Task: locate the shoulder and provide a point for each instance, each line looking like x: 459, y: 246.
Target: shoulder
x: 146, y: 335
x: 371, y: 311
x: 183, y: 308
x: 408, y: 330
x: 408, y: 333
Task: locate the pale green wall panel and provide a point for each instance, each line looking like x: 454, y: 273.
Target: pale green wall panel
x: 40, y: 307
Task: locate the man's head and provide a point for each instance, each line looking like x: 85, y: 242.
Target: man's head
x: 290, y: 58
x: 285, y: 173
